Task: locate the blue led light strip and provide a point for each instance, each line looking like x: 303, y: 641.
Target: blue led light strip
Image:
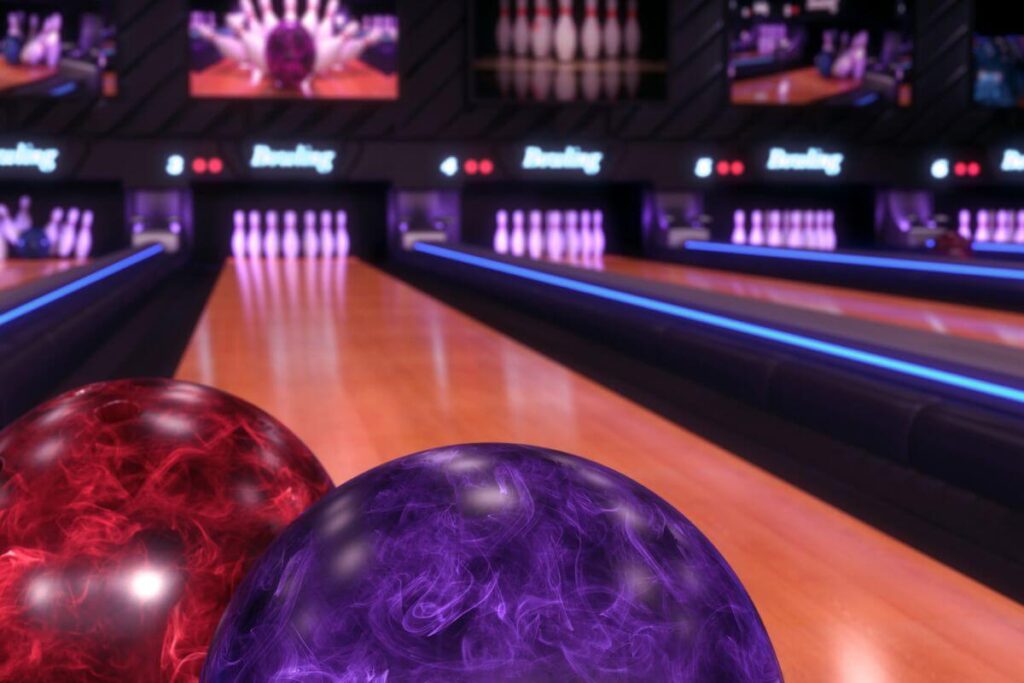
x: 999, y: 248
x: 72, y: 287
x: 993, y: 272
x: 916, y: 370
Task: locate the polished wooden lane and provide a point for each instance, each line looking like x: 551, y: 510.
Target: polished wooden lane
x: 15, y: 272
x: 980, y: 324
x: 366, y: 369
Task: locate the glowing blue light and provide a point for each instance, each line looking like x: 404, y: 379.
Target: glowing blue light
x: 940, y: 169
x: 72, y: 287
x: 175, y: 165
x: 908, y: 368
x: 450, y: 167
x: 704, y: 168
x: 999, y: 248
x: 886, y: 262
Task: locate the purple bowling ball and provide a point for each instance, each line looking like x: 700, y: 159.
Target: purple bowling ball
x: 291, y: 54
x: 491, y: 563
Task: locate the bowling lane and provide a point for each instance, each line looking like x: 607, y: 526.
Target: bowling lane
x: 365, y: 368
x: 14, y: 273
x: 980, y: 324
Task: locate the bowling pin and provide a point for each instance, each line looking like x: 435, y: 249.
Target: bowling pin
x: 238, y: 235
x: 543, y: 29
x: 518, y: 233
x: 536, y: 238
x: 52, y: 228
x: 633, y: 37
x: 600, y: 236
x: 590, y: 33
x: 565, y: 32
x: 1004, y: 227
x: 310, y: 239
x: 342, y: 239
x: 68, y: 233
x: 982, y: 234
x: 503, y: 31
x: 254, y: 242
x: 521, y: 30
x: 83, y: 244
x: 327, y: 234
x: 586, y: 235
x: 554, y: 239
x: 775, y: 235
x: 964, y: 225
x: 270, y: 18
x: 796, y: 231
x: 272, y: 238
x: 291, y: 12
x: 832, y: 239
x: 739, y: 227
x: 756, y: 237
x: 501, y: 235
x: 23, y: 221
x: 810, y: 234
x: 8, y: 233
x: 311, y: 19
x: 572, y: 234
x: 612, y: 31
x: 1019, y: 237
x: 291, y: 243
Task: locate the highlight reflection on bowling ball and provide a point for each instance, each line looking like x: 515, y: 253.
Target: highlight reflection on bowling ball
x: 491, y: 563
x: 129, y: 512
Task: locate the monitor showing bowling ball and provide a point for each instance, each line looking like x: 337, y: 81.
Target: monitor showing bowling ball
x: 568, y: 51
x: 58, y: 49
x: 845, y: 53
x: 293, y: 49
x: 998, y: 54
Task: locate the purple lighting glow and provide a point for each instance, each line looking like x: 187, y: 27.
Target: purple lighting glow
x: 492, y: 563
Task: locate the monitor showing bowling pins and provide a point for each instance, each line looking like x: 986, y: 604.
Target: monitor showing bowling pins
x: 555, y: 51
x: 58, y: 49
x: 848, y: 53
x: 998, y: 54
x: 293, y: 49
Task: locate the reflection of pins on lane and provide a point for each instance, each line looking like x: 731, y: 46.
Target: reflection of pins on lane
x: 739, y: 227
x: 555, y: 241
x: 591, y: 78
x: 522, y: 78
x: 541, y: 81
x: 612, y: 31
x: 501, y: 235
x: 326, y: 234
x: 342, y: 239
x: 590, y: 33
x: 518, y: 233
x: 238, y: 235
x: 254, y: 241
x: 503, y: 31
x: 310, y: 239
x: 272, y: 240
x: 291, y: 243
x: 565, y: 32
x: 83, y: 244
x: 543, y: 29
x: 536, y: 238
x: 565, y: 83
x: 521, y: 31
x: 612, y: 80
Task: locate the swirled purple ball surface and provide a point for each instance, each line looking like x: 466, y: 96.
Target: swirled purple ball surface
x: 492, y: 562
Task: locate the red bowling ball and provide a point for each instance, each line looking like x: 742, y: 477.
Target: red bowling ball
x: 129, y: 512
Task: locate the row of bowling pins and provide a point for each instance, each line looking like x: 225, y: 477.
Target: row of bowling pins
x: 69, y: 232
x: 792, y: 229
x: 556, y: 234
x: 544, y: 36
x: 36, y: 47
x: 1003, y: 226
x: 566, y: 84
x: 323, y: 235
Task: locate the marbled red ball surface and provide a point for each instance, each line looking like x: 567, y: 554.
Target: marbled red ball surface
x: 291, y: 54
x: 129, y: 512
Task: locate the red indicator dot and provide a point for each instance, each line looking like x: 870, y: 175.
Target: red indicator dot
x: 486, y: 166
x: 738, y: 168
x: 723, y: 168
x: 960, y: 169
x: 472, y: 167
x: 216, y: 166
x: 974, y: 169
x: 199, y: 165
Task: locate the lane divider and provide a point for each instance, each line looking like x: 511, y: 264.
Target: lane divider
x: 870, y: 358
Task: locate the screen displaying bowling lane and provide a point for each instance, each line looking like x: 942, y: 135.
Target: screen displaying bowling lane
x: 365, y: 369
x: 16, y: 273
x: 979, y: 324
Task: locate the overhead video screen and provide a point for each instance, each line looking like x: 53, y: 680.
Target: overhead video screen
x: 294, y: 49
x: 556, y: 51
x: 849, y: 53
x: 58, y: 49
x: 999, y: 54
